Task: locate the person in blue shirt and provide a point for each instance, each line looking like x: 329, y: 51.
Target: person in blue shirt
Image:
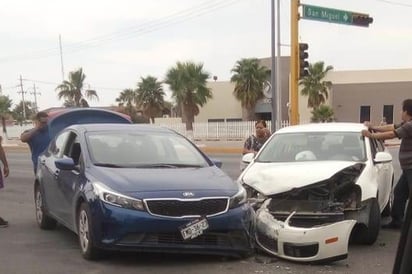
x: 37, y: 138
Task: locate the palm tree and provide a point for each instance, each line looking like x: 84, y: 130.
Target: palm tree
x: 249, y: 78
x: 313, y: 85
x: 150, y: 96
x: 126, y: 99
x: 188, y: 82
x: 72, y: 90
x: 323, y: 113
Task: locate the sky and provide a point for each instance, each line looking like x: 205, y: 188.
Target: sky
x: 118, y: 42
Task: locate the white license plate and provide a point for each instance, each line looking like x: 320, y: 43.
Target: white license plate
x: 194, y: 229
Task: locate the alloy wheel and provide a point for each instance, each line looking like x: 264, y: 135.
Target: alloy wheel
x: 84, y: 231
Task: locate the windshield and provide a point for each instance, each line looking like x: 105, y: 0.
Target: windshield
x: 143, y: 150
x: 314, y: 146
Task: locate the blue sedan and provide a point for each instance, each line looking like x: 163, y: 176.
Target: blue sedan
x: 140, y: 188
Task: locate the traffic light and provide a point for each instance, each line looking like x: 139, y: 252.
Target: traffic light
x: 361, y: 19
x: 303, y: 63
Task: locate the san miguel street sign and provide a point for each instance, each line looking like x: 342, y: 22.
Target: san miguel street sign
x: 336, y: 16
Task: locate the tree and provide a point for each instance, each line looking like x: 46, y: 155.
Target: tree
x: 249, y: 78
x: 188, y: 82
x: 5, y: 104
x: 314, y: 87
x: 150, y: 96
x: 323, y: 113
x: 127, y: 99
x: 72, y: 90
x: 17, y: 112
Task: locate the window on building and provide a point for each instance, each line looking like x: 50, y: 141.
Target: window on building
x: 365, y: 114
x: 234, y: 120
x: 215, y: 120
x: 388, y: 113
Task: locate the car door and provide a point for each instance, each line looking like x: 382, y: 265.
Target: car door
x: 49, y: 173
x: 383, y: 173
x: 68, y: 181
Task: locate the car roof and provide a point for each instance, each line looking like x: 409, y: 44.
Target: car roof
x: 323, y: 127
x: 115, y: 127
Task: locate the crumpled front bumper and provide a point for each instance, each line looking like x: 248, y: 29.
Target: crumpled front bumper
x: 320, y: 243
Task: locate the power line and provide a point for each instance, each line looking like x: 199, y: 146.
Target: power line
x: 130, y: 32
x: 395, y: 3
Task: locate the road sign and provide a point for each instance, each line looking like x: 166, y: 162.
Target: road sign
x: 333, y: 15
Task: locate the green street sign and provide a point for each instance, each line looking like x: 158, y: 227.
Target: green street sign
x: 327, y: 15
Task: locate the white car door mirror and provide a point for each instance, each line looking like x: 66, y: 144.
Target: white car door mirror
x: 248, y: 157
x: 383, y: 157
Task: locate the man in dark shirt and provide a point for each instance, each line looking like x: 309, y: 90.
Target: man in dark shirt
x: 38, y: 137
x: 404, y: 186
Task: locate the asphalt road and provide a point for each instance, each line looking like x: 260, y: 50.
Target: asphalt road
x: 25, y: 249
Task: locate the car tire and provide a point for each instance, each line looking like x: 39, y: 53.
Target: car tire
x: 87, y: 244
x: 369, y: 234
x: 43, y: 219
x: 388, y: 208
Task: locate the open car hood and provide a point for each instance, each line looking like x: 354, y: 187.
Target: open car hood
x: 274, y: 178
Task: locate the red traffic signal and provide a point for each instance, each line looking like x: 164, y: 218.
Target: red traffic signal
x: 361, y: 19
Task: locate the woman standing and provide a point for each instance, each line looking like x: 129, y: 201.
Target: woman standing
x: 254, y: 142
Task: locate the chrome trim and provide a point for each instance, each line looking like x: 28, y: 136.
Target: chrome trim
x: 186, y: 200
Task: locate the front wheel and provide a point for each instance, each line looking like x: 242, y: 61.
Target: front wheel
x: 369, y: 234
x: 85, y: 233
x: 43, y: 220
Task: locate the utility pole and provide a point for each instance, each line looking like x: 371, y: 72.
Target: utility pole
x: 22, y: 98
x: 35, y: 93
x: 294, y: 65
x: 61, y: 56
x: 278, y: 76
x: 273, y: 81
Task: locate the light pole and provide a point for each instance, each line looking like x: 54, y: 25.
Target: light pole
x: 274, y: 102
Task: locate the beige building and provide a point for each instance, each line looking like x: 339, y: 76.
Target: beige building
x: 355, y: 96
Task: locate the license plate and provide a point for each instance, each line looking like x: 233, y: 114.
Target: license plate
x: 194, y: 229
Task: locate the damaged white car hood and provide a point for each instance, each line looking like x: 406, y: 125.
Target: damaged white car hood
x: 273, y: 178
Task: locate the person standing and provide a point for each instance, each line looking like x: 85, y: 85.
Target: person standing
x: 37, y: 138
x: 254, y: 142
x: 5, y: 174
x: 403, y: 188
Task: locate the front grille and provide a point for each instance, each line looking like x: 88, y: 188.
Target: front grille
x: 267, y: 242
x: 310, y: 220
x: 222, y: 239
x: 180, y: 208
x: 300, y: 251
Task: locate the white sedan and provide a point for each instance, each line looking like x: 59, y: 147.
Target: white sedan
x: 314, y: 187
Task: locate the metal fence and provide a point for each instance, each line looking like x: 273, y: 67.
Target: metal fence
x: 218, y: 130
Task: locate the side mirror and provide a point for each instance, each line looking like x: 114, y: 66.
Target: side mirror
x: 65, y: 163
x: 246, y: 159
x: 382, y: 157
x: 217, y: 162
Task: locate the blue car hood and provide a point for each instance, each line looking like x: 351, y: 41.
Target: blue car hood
x: 167, y: 182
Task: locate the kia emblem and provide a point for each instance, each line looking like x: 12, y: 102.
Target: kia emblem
x: 188, y: 194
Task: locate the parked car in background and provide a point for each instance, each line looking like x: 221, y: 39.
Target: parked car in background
x: 140, y: 188
x: 312, y: 184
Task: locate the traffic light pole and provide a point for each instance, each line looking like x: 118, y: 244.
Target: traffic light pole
x: 294, y: 64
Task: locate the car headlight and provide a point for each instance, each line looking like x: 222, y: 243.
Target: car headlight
x: 111, y: 197
x: 239, y: 198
